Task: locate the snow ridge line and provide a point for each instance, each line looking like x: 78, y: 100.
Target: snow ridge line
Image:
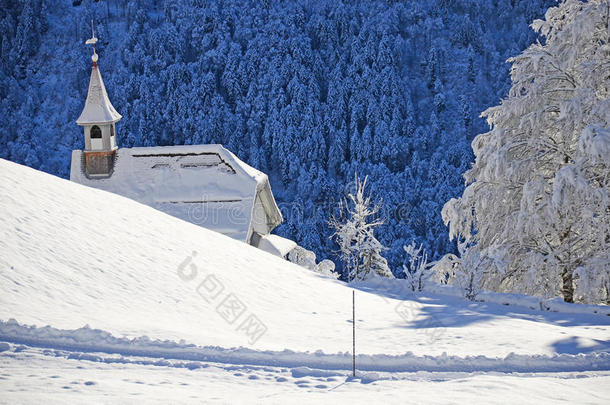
x: 90, y: 340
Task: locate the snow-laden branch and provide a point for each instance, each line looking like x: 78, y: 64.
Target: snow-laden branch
x: 535, y: 216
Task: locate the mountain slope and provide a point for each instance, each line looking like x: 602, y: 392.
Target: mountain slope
x: 72, y: 256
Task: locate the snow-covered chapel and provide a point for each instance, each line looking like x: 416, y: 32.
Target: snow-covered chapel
x: 203, y: 184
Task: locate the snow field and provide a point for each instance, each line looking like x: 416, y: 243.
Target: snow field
x: 95, y: 288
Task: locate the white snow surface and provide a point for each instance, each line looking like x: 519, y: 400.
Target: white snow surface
x: 90, y: 276
x: 98, y: 109
x: 276, y: 245
x: 35, y: 376
x: 73, y: 256
x: 203, y: 184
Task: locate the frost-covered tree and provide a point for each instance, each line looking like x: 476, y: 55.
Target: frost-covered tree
x: 354, y: 229
x: 536, y: 209
x: 415, y: 266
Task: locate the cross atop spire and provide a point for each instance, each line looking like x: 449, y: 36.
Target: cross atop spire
x: 92, y: 41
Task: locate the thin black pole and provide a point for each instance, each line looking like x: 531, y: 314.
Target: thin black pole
x: 354, y: 332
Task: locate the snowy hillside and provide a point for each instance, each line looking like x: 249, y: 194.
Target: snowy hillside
x: 95, y: 276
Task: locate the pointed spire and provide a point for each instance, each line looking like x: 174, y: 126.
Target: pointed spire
x: 98, y: 108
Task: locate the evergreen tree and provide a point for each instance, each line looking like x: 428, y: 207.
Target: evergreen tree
x: 354, y: 233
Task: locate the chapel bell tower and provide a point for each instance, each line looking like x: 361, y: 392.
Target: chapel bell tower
x: 98, y: 119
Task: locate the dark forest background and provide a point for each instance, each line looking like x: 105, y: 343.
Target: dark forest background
x: 310, y: 92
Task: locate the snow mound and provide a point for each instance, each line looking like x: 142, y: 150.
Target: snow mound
x: 94, y: 345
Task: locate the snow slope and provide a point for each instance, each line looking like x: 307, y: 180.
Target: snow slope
x: 103, y: 268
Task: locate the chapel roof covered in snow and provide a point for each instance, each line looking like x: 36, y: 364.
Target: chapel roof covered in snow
x: 98, y: 108
x: 203, y: 184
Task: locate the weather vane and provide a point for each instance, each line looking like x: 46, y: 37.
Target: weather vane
x: 92, y: 41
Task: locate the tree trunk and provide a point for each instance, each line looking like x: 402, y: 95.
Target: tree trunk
x: 568, y: 286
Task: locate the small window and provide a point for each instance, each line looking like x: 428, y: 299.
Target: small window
x: 112, y: 130
x: 96, y: 132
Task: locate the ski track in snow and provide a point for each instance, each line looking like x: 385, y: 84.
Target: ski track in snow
x: 100, y: 346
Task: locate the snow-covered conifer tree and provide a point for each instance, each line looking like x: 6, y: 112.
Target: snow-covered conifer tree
x: 537, y: 205
x: 354, y: 233
x: 415, y: 266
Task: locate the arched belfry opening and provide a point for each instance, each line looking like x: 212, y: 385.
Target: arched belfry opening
x: 98, y: 119
x: 96, y: 132
x: 97, y: 142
